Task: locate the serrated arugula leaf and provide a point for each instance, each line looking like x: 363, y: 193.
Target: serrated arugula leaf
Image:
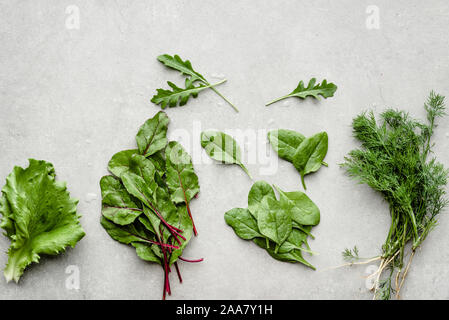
x: 314, y: 90
x: 185, y: 67
x: 38, y: 216
x: 152, y: 135
x: 177, y: 96
x: 222, y: 147
x: 182, y: 95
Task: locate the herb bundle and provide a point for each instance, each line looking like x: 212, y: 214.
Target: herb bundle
x: 146, y: 199
x: 324, y: 89
x: 38, y: 216
x: 396, y: 159
x: 179, y: 95
x: 306, y: 154
x: 279, y: 226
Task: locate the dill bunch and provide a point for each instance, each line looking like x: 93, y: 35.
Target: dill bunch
x: 396, y: 159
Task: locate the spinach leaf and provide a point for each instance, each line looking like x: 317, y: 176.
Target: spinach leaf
x: 304, y: 211
x: 222, y: 147
x: 314, y: 90
x: 244, y: 224
x: 310, y: 154
x: 181, y: 95
x: 285, y: 142
x: 306, y: 154
x: 279, y: 226
x: 276, y: 222
x: 291, y: 256
x: 258, y: 193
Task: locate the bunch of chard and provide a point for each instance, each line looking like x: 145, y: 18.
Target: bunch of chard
x: 146, y: 199
x: 396, y: 159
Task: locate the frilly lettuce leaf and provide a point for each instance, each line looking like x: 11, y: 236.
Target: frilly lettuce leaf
x: 38, y: 216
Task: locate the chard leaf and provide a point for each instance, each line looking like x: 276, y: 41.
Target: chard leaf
x: 310, y: 154
x: 120, y: 162
x: 152, y: 136
x: 126, y: 234
x: 303, y: 210
x: 314, y: 90
x: 222, y: 147
x: 243, y: 223
x: 275, y: 223
x: 138, y: 187
x: 181, y: 180
x: 39, y: 216
x: 184, y: 223
x: 118, y: 205
x: 146, y: 252
x: 285, y: 142
x: 259, y: 192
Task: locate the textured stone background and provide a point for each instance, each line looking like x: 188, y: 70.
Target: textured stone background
x: 76, y: 96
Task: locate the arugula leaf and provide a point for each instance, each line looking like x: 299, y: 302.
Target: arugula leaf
x: 279, y: 226
x: 171, y: 98
x: 222, y: 147
x: 181, y: 180
x: 179, y: 95
x: 185, y: 67
x: 152, y: 136
x: 38, y: 216
x: 310, y: 154
x: 314, y: 90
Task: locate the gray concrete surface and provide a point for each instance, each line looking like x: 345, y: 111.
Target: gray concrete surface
x: 75, y: 96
